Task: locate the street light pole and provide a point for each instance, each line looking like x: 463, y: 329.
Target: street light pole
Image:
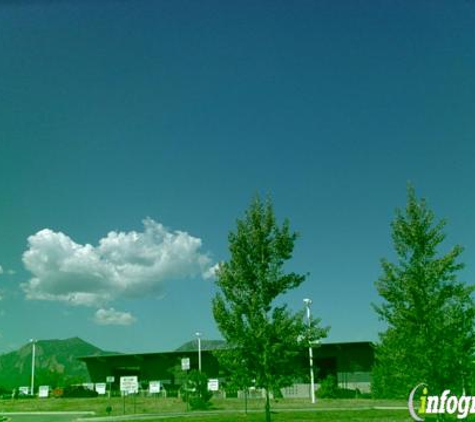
x: 308, y: 302
x: 33, y: 358
x: 198, y: 334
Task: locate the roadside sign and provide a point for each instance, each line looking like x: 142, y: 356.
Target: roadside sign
x: 154, y: 387
x: 129, y: 385
x: 185, y: 364
x: 24, y: 390
x: 43, y: 391
x: 110, y: 380
x: 101, y: 388
x: 213, y: 385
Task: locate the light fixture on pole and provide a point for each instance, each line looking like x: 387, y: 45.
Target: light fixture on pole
x: 307, y: 303
x: 198, y: 335
x: 33, y: 359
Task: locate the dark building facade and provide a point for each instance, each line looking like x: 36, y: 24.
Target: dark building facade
x: 350, y: 362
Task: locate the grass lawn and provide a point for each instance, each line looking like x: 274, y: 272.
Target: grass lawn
x: 222, y: 409
x: 141, y: 405
x: 227, y: 410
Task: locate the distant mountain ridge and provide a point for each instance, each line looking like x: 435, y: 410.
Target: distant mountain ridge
x: 192, y: 346
x: 56, y: 363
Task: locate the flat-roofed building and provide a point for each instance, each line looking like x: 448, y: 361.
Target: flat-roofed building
x: 350, y: 362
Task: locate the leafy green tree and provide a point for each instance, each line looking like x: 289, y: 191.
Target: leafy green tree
x: 429, y: 313
x: 264, y: 338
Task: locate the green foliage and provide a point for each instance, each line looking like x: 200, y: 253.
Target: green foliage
x: 430, y: 315
x: 195, y: 391
x: 78, y: 391
x: 328, y: 388
x: 56, y: 363
x: 262, y: 336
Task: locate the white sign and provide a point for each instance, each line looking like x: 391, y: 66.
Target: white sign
x: 88, y: 386
x: 154, y: 387
x: 185, y: 364
x: 101, y: 388
x: 213, y: 385
x: 24, y: 390
x: 43, y: 391
x: 110, y: 379
x: 129, y: 385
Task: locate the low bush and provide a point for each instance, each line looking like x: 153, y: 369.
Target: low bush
x: 329, y: 389
x: 78, y: 391
x: 196, y: 391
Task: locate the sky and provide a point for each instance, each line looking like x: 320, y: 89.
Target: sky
x: 133, y: 134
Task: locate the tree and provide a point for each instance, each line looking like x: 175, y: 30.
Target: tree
x: 263, y: 337
x: 429, y: 313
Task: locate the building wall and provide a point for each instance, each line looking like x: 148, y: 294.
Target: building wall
x: 350, y: 362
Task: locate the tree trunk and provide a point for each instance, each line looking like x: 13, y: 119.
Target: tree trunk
x: 267, y: 406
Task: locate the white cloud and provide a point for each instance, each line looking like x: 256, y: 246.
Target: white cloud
x: 211, y: 272
x: 9, y: 272
x: 112, y: 317
x: 123, y: 264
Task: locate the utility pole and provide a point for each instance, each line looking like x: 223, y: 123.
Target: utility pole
x: 308, y: 302
x: 198, y: 334
x: 33, y: 359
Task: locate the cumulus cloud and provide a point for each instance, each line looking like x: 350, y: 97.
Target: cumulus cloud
x: 123, y: 264
x: 112, y: 317
x: 210, y: 273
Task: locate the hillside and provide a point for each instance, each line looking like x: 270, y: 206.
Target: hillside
x: 56, y: 363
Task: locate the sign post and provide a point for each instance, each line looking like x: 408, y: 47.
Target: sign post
x: 129, y: 385
x: 213, y: 385
x: 109, y: 381
x: 43, y: 391
x: 154, y: 387
x: 185, y: 366
x: 101, y: 388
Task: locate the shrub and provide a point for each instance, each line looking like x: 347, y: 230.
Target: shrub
x: 328, y: 388
x: 78, y: 391
x: 196, y: 391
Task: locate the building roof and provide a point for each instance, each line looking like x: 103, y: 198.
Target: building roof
x: 209, y: 346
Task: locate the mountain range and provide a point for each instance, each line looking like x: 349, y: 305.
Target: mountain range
x: 55, y: 363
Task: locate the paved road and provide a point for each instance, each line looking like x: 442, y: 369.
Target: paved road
x: 42, y: 417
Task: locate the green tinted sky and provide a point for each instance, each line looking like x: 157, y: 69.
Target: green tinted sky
x: 181, y: 111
